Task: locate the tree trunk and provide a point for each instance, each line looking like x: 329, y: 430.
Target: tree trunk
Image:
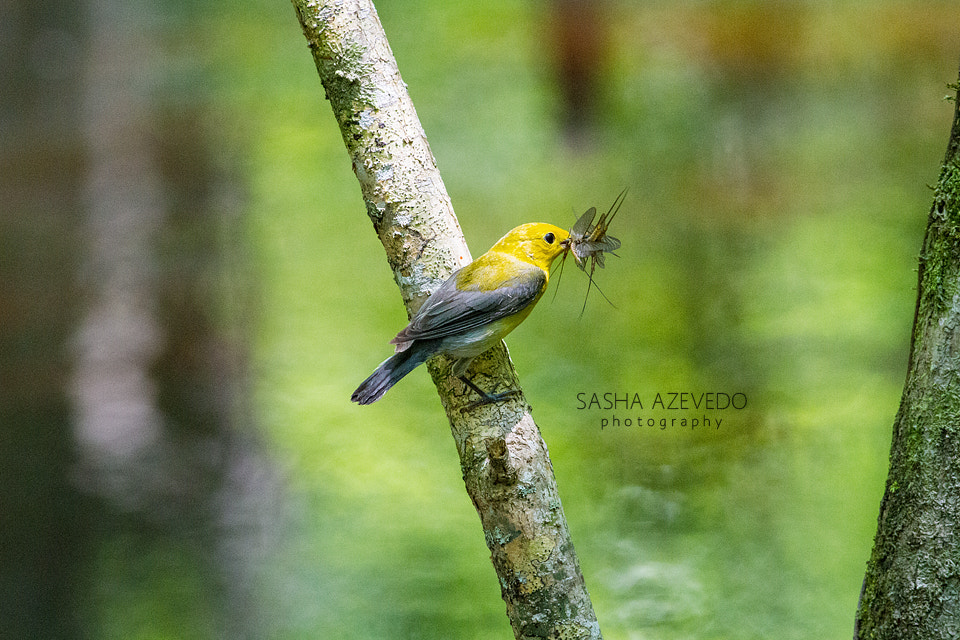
x: 504, y: 460
x: 912, y: 584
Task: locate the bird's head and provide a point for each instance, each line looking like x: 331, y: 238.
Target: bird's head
x: 538, y: 243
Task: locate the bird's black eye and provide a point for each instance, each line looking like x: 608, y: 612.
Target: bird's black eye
x: 550, y: 238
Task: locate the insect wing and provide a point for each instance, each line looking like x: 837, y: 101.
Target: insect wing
x: 583, y: 224
x: 609, y: 243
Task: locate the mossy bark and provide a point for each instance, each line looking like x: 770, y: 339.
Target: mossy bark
x: 912, y: 584
x: 505, y: 464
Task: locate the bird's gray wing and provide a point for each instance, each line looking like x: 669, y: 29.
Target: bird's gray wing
x: 449, y: 311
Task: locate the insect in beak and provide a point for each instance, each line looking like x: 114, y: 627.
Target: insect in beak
x: 588, y: 242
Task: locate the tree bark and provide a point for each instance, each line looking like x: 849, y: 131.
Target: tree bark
x: 504, y: 460
x: 912, y: 583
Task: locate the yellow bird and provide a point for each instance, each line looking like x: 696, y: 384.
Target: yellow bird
x: 474, y: 309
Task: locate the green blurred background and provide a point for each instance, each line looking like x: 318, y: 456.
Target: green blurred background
x: 190, y: 291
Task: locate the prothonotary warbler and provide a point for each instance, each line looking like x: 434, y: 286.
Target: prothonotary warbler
x: 476, y: 307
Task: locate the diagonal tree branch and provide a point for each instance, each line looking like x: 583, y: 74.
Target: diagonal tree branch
x: 505, y: 464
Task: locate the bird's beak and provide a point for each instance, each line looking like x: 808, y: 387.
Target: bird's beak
x: 565, y: 243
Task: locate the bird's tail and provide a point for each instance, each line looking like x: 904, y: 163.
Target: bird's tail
x: 389, y: 373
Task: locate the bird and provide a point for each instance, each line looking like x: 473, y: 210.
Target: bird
x: 473, y: 309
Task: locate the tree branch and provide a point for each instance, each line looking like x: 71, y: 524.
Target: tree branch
x: 912, y: 585
x: 505, y: 464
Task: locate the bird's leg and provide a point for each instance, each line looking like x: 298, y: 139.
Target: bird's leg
x: 485, y: 398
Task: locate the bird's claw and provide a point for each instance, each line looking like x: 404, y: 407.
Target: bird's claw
x: 485, y: 398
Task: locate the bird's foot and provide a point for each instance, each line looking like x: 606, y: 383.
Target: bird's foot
x: 485, y: 398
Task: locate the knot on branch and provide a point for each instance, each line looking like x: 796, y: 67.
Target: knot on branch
x: 502, y: 470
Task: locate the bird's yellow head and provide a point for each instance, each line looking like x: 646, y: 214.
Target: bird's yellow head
x: 538, y: 243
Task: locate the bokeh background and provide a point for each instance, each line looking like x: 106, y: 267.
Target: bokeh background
x: 190, y: 291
